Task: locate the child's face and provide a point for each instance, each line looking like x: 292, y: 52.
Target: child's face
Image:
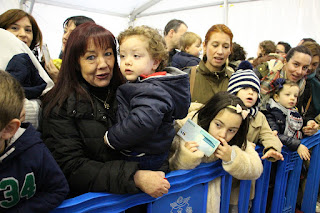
x: 195, y: 48
x: 135, y: 60
x: 225, y: 125
x: 288, y: 96
x: 248, y: 96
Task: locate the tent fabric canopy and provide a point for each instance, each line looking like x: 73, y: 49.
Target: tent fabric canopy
x: 251, y: 21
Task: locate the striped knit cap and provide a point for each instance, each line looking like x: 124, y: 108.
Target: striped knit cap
x: 243, y: 79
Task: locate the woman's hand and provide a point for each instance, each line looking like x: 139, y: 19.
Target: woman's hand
x: 223, y: 151
x: 52, y: 71
x: 311, y: 128
x: 153, y: 183
x: 303, y: 152
x: 192, y: 146
x: 271, y: 153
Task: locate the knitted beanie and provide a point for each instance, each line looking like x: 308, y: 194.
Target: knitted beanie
x: 243, y: 79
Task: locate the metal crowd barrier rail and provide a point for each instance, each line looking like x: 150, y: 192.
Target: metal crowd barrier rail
x: 188, y: 192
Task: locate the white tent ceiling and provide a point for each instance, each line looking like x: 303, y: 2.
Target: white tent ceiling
x: 137, y: 8
x: 251, y: 21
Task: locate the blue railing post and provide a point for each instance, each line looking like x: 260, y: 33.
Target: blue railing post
x: 291, y: 191
x: 313, y: 178
x: 226, y: 183
x: 259, y: 202
x: 280, y: 184
x: 244, y: 196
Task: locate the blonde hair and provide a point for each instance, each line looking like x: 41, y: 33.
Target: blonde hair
x: 11, y: 98
x: 156, y: 44
x: 187, y: 39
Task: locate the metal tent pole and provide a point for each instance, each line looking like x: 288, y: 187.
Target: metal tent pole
x: 226, y: 12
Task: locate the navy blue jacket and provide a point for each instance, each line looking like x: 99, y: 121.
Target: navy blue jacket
x: 22, y: 68
x: 28, y: 170
x: 277, y: 121
x: 146, y: 112
x: 182, y: 59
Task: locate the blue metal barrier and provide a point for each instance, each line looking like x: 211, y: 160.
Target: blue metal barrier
x: 312, y: 186
x: 188, y: 192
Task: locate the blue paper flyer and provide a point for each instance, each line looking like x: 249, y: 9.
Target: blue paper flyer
x: 191, y: 131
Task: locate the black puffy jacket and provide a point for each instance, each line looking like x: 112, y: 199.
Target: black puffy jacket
x: 74, y: 134
x: 277, y: 121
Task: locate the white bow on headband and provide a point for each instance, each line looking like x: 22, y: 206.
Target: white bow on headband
x: 239, y: 110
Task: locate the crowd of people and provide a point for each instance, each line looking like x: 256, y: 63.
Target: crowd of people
x: 88, y: 123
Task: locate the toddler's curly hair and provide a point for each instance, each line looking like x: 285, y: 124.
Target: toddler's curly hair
x: 156, y: 44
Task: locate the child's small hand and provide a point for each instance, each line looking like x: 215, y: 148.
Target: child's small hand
x: 223, y: 151
x: 271, y: 153
x: 303, y: 152
x: 191, y: 145
x: 311, y: 128
x: 275, y: 132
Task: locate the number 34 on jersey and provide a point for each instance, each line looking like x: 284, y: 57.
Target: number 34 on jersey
x: 11, y: 193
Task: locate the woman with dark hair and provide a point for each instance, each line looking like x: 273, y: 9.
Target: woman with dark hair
x: 69, y: 25
x: 294, y: 68
x: 78, y: 111
x: 53, y: 66
x: 282, y: 48
x: 224, y: 117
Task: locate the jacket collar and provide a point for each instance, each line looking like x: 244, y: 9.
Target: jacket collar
x: 225, y: 72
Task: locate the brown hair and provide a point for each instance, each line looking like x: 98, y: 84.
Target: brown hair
x: 187, y: 39
x: 173, y: 24
x: 156, y: 44
x: 313, y: 47
x: 11, y: 98
x: 267, y: 47
x: 10, y: 17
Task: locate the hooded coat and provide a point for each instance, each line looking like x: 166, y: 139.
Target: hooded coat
x: 146, y: 112
x: 182, y: 59
x: 28, y: 170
